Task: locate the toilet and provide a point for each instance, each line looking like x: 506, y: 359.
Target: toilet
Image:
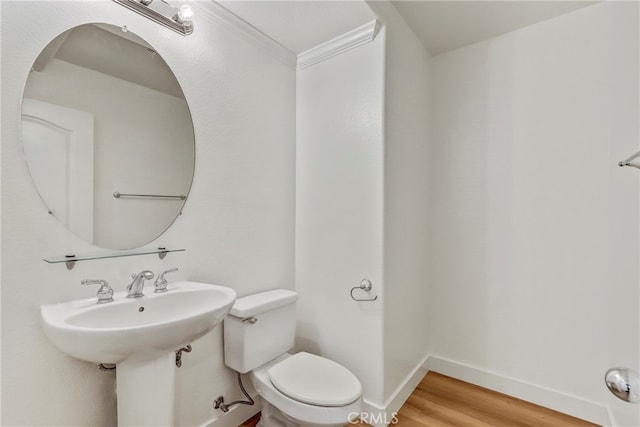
x: 298, y: 390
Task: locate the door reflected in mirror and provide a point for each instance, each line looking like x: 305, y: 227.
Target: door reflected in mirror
x: 103, y: 113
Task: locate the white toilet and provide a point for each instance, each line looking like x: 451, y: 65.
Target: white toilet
x: 297, y: 389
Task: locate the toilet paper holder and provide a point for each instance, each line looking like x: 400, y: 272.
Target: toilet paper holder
x: 365, y: 285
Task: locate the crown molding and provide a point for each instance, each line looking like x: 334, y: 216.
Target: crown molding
x: 350, y: 40
x: 343, y: 43
x: 246, y: 31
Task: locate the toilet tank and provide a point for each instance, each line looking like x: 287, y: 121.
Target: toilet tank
x: 259, y: 328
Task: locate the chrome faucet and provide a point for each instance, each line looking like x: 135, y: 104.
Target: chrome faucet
x: 134, y: 289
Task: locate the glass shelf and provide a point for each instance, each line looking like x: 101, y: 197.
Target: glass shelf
x: 70, y: 260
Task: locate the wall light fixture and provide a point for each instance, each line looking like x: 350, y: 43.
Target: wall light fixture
x: 179, y: 20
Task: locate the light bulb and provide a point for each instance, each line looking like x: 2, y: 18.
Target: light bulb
x: 185, y: 14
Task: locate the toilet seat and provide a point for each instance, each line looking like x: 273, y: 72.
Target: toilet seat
x: 314, y: 380
x: 304, y: 412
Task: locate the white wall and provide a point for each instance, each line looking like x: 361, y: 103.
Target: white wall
x: 130, y: 121
x: 534, y: 253
x: 339, y: 210
x: 361, y: 209
x: 237, y: 225
x: 406, y: 208
x: 533, y: 263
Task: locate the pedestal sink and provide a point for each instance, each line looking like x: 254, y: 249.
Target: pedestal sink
x: 139, y: 335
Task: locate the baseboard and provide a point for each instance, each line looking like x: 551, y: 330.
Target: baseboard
x: 404, y: 390
x: 381, y: 416
x: 542, y: 396
x: 236, y: 415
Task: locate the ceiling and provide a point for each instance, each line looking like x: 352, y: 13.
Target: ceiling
x: 301, y: 25
x: 448, y: 25
x: 440, y: 25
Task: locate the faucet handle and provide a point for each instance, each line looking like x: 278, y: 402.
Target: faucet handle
x: 161, y: 283
x: 105, y: 292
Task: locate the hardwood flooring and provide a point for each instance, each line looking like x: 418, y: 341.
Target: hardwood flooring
x: 441, y: 401
x: 251, y: 422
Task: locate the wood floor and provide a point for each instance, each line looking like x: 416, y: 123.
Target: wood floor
x: 441, y: 401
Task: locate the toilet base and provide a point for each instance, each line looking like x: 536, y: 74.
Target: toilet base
x: 274, y: 417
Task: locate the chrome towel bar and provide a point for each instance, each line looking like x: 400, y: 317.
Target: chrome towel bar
x: 118, y: 195
x: 627, y: 162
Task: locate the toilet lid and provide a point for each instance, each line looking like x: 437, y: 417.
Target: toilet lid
x: 315, y: 380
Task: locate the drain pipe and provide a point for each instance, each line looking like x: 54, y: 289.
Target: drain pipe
x: 219, y: 402
x: 106, y: 367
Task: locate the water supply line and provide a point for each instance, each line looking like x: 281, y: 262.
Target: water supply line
x: 219, y: 402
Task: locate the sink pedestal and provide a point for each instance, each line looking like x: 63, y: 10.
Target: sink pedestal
x: 145, y: 391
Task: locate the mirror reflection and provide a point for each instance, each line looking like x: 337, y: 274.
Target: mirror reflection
x: 103, y: 113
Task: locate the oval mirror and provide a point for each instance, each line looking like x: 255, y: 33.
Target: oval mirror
x: 108, y: 136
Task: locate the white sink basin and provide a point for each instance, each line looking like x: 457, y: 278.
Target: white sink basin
x: 143, y: 327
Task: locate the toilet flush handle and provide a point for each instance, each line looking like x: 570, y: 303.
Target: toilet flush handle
x: 251, y: 320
